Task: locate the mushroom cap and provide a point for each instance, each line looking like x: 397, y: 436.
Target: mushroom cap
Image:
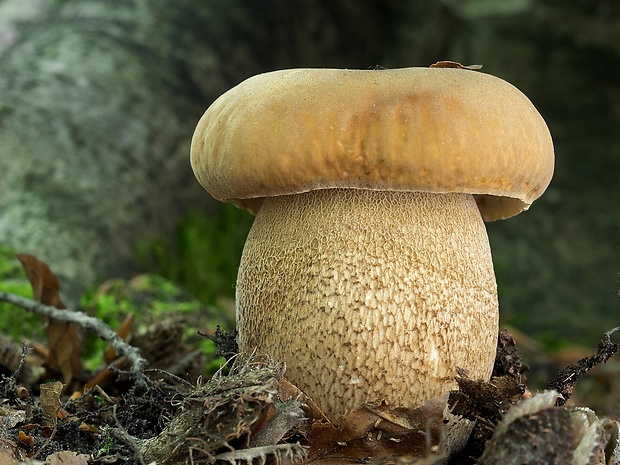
x: 439, y: 130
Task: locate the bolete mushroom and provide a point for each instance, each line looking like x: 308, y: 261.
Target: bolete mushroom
x: 368, y: 268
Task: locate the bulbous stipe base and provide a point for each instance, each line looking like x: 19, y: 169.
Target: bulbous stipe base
x: 370, y: 295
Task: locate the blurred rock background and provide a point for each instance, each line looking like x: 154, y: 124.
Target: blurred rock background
x: 99, y: 99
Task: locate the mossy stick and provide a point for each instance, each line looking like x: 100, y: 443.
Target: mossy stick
x: 88, y: 323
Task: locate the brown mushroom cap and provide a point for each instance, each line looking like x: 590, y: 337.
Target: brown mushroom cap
x: 436, y: 130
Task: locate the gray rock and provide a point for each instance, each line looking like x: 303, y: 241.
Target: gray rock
x: 99, y: 99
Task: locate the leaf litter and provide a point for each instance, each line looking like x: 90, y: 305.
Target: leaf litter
x: 249, y: 413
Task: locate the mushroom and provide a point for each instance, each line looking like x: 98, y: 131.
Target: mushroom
x: 368, y: 268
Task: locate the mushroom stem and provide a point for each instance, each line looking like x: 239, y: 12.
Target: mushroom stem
x: 370, y: 295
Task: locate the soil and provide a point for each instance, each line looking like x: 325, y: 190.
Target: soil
x: 249, y: 413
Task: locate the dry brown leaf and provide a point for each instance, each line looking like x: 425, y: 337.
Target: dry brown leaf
x: 454, y: 64
x: 25, y: 441
x: 287, y: 391
x: 44, y: 283
x: 104, y: 375
x: 123, y: 332
x: 64, y: 339
x: 377, y: 431
x: 7, y: 458
x: 10, y: 417
x: 66, y: 457
x: 65, y: 343
x: 13, y: 357
x: 50, y: 402
x: 281, y: 454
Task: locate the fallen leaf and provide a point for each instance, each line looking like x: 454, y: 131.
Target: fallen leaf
x: 25, y: 441
x: 288, y: 454
x: 18, y: 359
x: 50, y: 402
x: 285, y: 417
x: 65, y: 343
x: 64, y: 339
x: 44, y: 283
x: 287, y: 391
x: 377, y: 431
x: 6, y: 458
x: 10, y: 417
x: 123, y: 332
x: 454, y: 64
x: 66, y: 457
x: 104, y: 375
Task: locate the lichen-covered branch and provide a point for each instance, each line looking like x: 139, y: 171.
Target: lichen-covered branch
x: 89, y: 323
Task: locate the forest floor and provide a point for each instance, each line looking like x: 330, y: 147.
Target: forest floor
x: 153, y: 395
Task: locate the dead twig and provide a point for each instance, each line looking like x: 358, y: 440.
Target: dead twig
x: 89, y: 323
x: 565, y: 381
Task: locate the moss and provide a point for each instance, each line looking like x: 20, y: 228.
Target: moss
x: 14, y: 322
x: 205, y: 257
x: 204, y: 260
x: 147, y: 296
x: 150, y: 297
